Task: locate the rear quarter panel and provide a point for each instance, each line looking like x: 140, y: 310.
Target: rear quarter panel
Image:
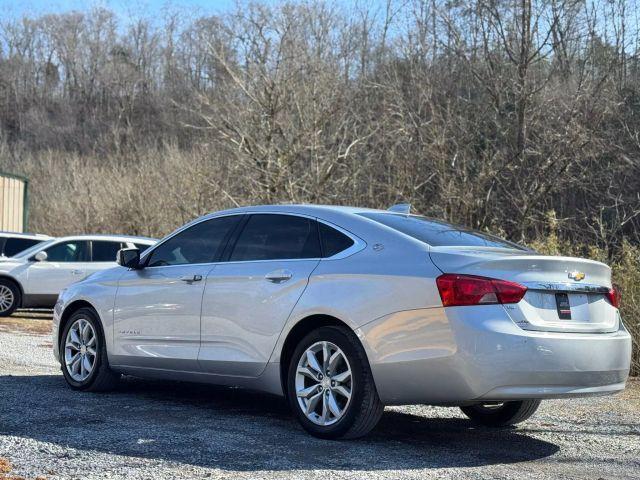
x: 368, y: 285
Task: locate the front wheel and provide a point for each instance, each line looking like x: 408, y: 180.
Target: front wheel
x: 501, y: 414
x: 330, y: 386
x: 83, y: 354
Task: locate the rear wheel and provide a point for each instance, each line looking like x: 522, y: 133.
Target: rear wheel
x: 501, y: 414
x: 330, y: 386
x: 83, y: 354
x: 10, y: 297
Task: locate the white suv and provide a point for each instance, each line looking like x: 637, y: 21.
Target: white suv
x: 34, y: 277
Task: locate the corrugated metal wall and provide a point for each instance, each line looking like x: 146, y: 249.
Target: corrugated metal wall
x: 12, y: 203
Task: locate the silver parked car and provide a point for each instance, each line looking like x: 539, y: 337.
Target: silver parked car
x: 34, y: 277
x: 345, y: 310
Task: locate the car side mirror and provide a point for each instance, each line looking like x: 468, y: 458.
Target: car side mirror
x: 129, y: 257
x: 41, y: 256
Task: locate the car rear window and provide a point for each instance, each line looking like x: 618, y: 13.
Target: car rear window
x: 438, y: 233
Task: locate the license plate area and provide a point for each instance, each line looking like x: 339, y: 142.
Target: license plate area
x: 563, y: 306
x: 565, y: 311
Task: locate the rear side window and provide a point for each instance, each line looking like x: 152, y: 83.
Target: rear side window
x: 437, y: 233
x: 201, y: 243
x: 15, y: 245
x: 105, y: 251
x: 333, y: 241
x: 277, y: 237
x: 71, y: 251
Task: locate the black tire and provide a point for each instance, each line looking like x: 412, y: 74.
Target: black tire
x: 364, y: 409
x: 16, y: 296
x: 101, y: 378
x: 501, y: 415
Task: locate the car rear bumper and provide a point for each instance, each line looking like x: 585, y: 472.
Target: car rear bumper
x: 464, y: 354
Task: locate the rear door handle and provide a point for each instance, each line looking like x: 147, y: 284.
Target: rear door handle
x: 278, y: 276
x: 77, y: 272
x: 191, y: 278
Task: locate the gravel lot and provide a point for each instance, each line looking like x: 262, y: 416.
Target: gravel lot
x: 151, y: 430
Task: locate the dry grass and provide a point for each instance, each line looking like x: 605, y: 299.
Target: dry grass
x: 151, y: 194
x: 32, y: 324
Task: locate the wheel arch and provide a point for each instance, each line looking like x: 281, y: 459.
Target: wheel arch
x: 72, y: 308
x: 297, y: 333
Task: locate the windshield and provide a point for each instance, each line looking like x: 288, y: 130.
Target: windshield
x: 34, y: 249
x: 438, y: 233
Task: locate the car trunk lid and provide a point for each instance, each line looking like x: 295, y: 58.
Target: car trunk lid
x: 565, y: 294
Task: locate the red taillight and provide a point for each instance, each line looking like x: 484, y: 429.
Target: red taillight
x: 614, y: 296
x: 457, y: 290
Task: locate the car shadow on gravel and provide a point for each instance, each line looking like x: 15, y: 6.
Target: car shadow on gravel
x: 232, y: 429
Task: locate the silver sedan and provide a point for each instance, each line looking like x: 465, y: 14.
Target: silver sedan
x: 345, y: 310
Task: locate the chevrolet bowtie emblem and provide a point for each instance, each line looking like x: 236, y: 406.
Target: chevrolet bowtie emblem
x: 577, y: 276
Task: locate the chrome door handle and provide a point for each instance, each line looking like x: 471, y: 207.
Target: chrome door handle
x: 278, y: 276
x: 76, y: 272
x: 191, y: 278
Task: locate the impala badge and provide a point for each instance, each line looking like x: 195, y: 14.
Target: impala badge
x: 576, y: 275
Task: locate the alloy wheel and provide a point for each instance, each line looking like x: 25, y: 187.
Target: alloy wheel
x: 6, y: 298
x: 80, y: 350
x: 323, y: 383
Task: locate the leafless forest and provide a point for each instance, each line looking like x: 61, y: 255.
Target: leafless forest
x: 521, y: 117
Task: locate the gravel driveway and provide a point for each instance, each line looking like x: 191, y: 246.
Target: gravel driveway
x: 157, y: 430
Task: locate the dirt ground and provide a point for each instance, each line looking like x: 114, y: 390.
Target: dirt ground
x: 156, y: 430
